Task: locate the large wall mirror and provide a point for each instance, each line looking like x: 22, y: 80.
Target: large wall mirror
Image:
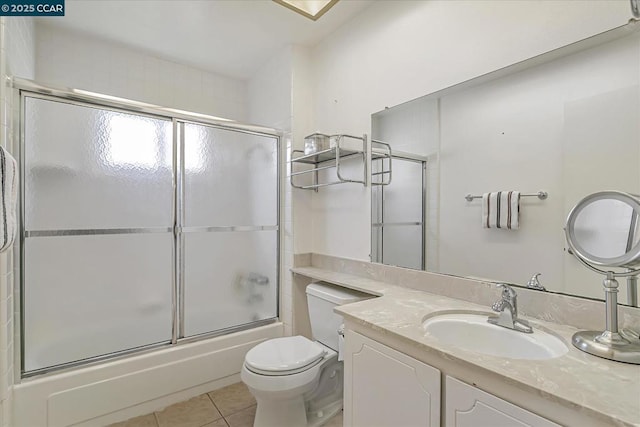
x: 567, y: 123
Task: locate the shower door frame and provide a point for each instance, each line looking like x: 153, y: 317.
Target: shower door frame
x: 22, y: 89
x: 379, y: 226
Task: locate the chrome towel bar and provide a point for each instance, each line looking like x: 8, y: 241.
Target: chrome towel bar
x: 540, y: 195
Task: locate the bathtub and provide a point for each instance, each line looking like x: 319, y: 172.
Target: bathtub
x: 116, y: 390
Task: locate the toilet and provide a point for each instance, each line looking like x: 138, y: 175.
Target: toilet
x: 298, y: 382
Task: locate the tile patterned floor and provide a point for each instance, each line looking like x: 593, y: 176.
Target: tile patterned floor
x: 231, y: 406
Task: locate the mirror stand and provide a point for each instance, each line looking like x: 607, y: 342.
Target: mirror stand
x: 632, y: 290
x: 609, y: 344
x: 621, y: 211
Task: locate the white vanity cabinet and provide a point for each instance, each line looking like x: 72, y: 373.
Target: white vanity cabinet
x: 386, y: 388
x: 467, y: 406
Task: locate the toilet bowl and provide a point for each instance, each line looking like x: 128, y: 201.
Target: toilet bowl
x: 303, y: 391
x: 298, y: 382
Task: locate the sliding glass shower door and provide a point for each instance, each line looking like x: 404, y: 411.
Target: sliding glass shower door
x: 230, y: 228
x: 140, y: 230
x: 98, y: 239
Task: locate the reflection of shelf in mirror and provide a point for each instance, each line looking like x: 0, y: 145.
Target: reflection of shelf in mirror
x: 405, y: 155
x: 381, y: 151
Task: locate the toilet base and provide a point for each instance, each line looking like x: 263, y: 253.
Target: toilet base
x: 317, y: 419
x: 291, y: 413
x: 286, y: 413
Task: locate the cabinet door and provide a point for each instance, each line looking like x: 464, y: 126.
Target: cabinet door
x: 384, y: 387
x: 469, y: 407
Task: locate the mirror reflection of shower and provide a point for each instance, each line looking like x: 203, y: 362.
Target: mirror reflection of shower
x: 550, y: 124
x: 397, y: 214
x: 404, y: 214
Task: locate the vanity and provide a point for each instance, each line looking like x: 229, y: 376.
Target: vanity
x: 422, y: 353
x: 399, y: 374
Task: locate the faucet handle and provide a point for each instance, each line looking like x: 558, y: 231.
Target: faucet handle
x: 534, y: 283
x: 507, y: 291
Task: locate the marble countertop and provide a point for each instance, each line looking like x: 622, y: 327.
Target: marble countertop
x: 606, y: 390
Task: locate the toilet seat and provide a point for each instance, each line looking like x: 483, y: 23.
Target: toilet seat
x: 284, y: 356
x: 287, y: 384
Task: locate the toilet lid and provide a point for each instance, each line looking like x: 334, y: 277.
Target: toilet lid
x: 284, y: 354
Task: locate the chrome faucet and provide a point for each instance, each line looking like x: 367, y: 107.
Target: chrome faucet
x: 507, y: 307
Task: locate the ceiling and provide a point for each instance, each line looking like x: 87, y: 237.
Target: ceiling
x: 229, y: 37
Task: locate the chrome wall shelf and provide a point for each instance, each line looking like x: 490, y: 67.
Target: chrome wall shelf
x: 340, y: 148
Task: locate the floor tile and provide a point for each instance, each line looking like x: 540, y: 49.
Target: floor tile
x: 194, y: 412
x: 218, y: 423
x: 242, y: 418
x: 142, y: 421
x: 232, y: 399
x: 336, y: 421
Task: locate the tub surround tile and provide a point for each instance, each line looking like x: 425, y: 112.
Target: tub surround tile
x: 232, y: 399
x: 577, y: 381
x: 242, y: 418
x: 194, y: 412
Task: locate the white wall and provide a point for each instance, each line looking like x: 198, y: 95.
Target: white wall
x: 399, y: 50
x: 69, y: 59
x: 269, y: 92
x: 269, y: 104
x: 16, y: 59
x: 302, y: 104
x: 280, y: 97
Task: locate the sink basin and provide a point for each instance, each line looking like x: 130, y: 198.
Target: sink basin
x: 472, y: 332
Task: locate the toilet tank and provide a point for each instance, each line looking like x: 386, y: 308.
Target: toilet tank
x: 321, y: 299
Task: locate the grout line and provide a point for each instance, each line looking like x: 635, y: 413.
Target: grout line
x: 155, y: 415
x: 216, y: 406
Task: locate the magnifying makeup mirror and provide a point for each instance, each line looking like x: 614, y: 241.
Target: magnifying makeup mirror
x: 602, y: 232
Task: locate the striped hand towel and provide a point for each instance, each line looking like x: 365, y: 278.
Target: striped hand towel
x: 501, y: 209
x: 8, y: 199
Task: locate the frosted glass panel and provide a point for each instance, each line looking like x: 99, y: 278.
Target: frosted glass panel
x: 402, y: 246
x: 92, y: 168
x: 230, y: 178
x: 403, y: 197
x: 230, y: 279
x: 86, y: 296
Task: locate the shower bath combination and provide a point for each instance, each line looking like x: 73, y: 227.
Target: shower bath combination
x: 131, y: 219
